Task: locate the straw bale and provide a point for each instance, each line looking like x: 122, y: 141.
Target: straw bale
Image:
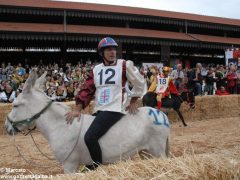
x: 206, y: 166
x: 207, y: 107
x: 229, y: 106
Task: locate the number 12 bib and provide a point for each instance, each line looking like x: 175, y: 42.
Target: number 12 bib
x: 108, y: 83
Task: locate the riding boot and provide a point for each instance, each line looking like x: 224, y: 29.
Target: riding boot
x: 91, y: 167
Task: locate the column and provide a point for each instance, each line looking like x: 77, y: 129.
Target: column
x: 165, y: 54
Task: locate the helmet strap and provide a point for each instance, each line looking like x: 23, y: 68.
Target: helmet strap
x: 108, y: 62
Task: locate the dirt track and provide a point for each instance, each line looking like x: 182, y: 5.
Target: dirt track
x: 212, y: 136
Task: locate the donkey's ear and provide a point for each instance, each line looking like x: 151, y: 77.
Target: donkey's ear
x: 40, y: 82
x: 30, y: 81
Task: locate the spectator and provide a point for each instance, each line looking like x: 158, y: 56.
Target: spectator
x: 178, y: 75
x: 196, y: 79
x: 220, y: 80
x: 183, y: 86
x: 2, y: 86
x: 222, y: 91
x: 232, y: 80
x: 70, y: 92
x: 210, y: 79
x: 8, y: 95
x: 3, y: 72
x: 9, y: 71
x: 17, y: 79
x: 51, y: 93
x: 61, y: 94
x: 20, y: 70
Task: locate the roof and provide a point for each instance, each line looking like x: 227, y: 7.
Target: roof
x: 126, y: 32
x: 119, y: 9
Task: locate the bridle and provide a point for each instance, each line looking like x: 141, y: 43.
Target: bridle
x: 28, y: 121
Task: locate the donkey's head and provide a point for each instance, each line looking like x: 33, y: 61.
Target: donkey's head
x: 28, y: 104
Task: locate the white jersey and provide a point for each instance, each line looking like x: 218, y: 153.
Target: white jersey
x: 162, y: 84
x: 108, y: 83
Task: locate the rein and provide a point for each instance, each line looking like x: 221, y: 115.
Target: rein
x: 27, y: 161
x: 68, y: 154
x: 28, y: 121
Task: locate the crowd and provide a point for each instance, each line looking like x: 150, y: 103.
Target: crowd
x: 64, y: 81
x: 203, y: 79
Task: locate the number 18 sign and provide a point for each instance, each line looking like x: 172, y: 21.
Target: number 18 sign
x: 162, y: 84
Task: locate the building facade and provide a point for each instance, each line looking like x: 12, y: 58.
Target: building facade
x: 50, y: 31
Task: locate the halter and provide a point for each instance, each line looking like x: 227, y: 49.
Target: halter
x: 28, y: 120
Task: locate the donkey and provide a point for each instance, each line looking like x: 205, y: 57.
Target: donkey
x: 150, y: 99
x: 147, y: 130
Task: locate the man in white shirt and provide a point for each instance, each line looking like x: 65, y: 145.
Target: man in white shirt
x: 8, y: 95
x: 178, y: 75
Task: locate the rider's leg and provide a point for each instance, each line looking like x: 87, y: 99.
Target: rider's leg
x: 100, y: 125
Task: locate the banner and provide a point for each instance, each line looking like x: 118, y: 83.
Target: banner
x: 228, y: 55
x: 232, y: 57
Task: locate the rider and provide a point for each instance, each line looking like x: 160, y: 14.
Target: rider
x: 107, y: 84
x: 164, y: 87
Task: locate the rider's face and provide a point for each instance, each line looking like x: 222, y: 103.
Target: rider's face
x: 166, y: 73
x: 110, y: 54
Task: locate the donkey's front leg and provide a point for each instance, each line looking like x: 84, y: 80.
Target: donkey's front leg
x: 70, y: 167
x: 181, y: 117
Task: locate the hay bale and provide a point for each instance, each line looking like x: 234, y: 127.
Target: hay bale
x: 207, y: 107
x: 4, y: 110
x: 193, y: 115
x: 206, y: 166
x: 229, y: 106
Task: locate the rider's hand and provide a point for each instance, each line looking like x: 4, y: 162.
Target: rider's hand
x: 71, y: 115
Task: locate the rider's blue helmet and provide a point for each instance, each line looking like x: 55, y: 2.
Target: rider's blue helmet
x: 106, y: 42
